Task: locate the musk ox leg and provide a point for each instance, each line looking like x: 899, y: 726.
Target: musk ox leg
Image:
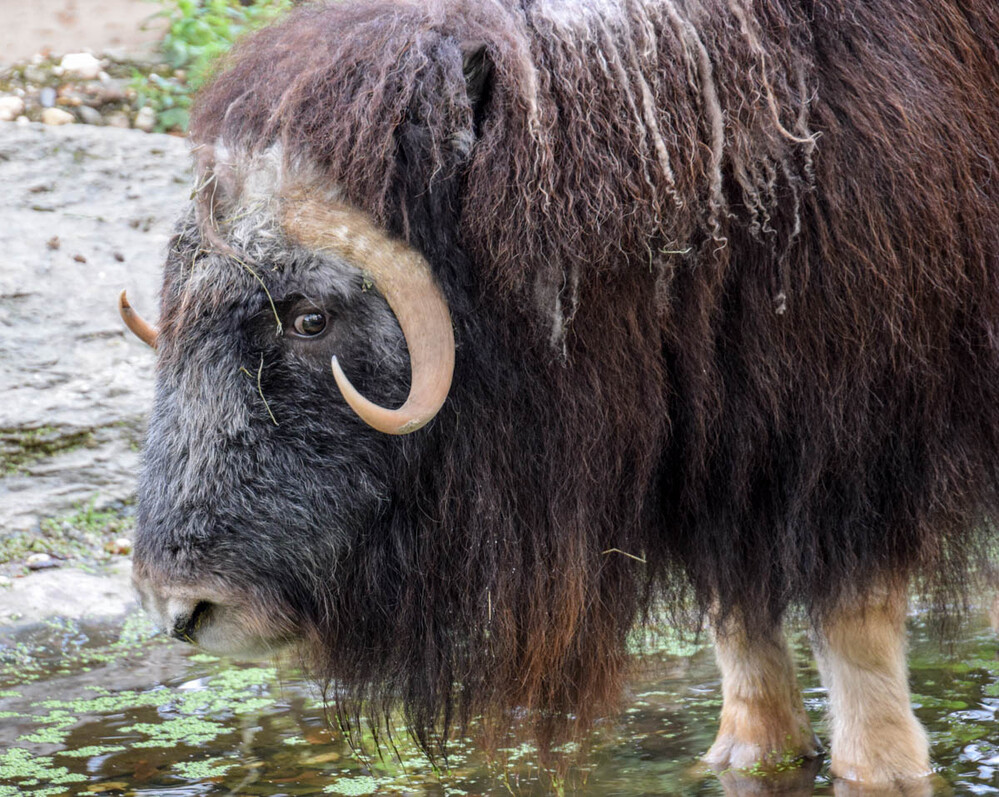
x: 763, y: 720
x: 877, y: 742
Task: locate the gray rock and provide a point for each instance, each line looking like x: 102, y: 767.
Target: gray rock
x: 47, y: 97
x: 89, y: 116
x: 68, y: 593
x: 68, y: 371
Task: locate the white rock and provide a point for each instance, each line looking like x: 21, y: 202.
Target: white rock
x: 10, y: 108
x: 82, y: 65
x: 57, y: 116
x: 23, y: 120
x: 145, y: 119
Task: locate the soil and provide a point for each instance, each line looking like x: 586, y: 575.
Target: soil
x: 62, y: 26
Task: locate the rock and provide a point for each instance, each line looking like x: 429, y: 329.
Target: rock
x: 47, y: 97
x: 117, y: 119
x: 40, y: 561
x: 122, y: 546
x: 107, y: 92
x: 68, y: 593
x: 57, y: 116
x: 34, y: 73
x: 91, y: 384
x: 10, y: 108
x: 81, y: 65
x: 89, y: 116
x: 145, y: 119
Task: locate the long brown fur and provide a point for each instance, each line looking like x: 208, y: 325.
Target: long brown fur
x: 725, y: 281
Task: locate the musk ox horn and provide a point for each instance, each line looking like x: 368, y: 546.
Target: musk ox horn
x: 404, y: 278
x: 143, y: 330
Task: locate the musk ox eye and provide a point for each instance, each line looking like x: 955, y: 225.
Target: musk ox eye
x: 308, y: 325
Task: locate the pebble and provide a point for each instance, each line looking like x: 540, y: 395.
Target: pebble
x: 145, y: 119
x: 82, y: 65
x: 10, y: 108
x: 117, y: 119
x: 35, y: 74
x: 122, y: 546
x: 57, y: 116
x: 90, y: 116
x: 47, y: 97
x: 41, y: 561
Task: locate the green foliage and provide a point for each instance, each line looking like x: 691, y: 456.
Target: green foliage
x: 199, y: 32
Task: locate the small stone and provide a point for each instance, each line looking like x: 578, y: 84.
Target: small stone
x: 54, y: 242
x: 40, y: 561
x: 119, y: 257
x: 82, y: 65
x: 47, y: 97
x: 122, y: 546
x: 23, y: 120
x: 10, y: 108
x: 34, y: 73
x: 117, y: 119
x: 145, y: 119
x: 89, y: 116
x: 68, y: 97
x: 79, y: 258
x: 57, y: 116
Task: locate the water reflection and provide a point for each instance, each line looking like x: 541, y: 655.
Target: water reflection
x: 112, y: 711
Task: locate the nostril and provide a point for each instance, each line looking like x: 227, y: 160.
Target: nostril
x: 185, y: 627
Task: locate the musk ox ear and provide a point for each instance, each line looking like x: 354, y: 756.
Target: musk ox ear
x: 478, y: 70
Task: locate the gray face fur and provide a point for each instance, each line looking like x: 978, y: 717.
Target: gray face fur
x: 257, y: 476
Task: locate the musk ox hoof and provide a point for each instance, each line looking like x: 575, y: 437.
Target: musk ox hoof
x: 924, y: 786
x: 759, y: 755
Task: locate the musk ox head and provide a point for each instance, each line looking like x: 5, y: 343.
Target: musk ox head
x: 264, y: 461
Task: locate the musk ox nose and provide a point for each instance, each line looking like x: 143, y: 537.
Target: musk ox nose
x: 182, y: 616
x: 216, y: 618
x: 186, y: 621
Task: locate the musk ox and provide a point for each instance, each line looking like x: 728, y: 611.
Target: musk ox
x: 630, y: 304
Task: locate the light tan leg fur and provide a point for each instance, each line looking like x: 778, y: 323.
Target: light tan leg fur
x: 877, y: 741
x: 763, y: 720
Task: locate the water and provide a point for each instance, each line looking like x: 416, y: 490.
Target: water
x: 117, y: 711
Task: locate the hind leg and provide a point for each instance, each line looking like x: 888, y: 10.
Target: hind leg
x: 877, y: 742
x: 763, y: 720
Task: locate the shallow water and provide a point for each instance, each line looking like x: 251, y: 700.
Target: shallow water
x: 117, y: 711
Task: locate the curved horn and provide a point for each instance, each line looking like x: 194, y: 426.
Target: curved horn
x: 143, y: 330
x: 404, y: 278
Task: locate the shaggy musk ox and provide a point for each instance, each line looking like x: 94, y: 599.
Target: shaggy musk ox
x: 685, y: 303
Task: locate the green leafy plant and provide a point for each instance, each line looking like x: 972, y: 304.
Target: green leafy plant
x: 199, y: 32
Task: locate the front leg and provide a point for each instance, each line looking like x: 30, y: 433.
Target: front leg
x: 877, y: 742
x: 764, y: 726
